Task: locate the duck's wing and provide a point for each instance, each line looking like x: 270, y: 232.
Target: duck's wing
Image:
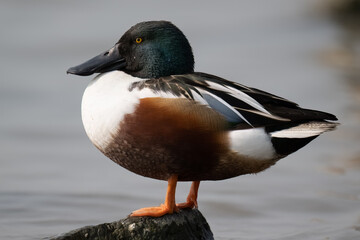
x: 262, y: 125
x: 242, y: 106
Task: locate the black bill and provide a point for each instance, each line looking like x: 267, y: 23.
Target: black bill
x: 105, y: 62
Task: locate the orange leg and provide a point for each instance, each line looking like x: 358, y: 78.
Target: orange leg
x: 191, y: 200
x: 168, y: 207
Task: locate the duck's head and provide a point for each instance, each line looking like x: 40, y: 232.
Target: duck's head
x: 147, y: 50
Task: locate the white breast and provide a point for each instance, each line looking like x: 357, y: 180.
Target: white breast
x: 106, y: 101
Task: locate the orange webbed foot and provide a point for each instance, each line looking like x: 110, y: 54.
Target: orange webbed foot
x: 168, y: 207
x: 187, y: 204
x: 191, y: 200
x: 154, y: 211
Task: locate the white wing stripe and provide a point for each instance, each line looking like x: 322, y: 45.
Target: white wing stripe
x: 239, y: 95
x: 249, y: 100
x: 217, y: 86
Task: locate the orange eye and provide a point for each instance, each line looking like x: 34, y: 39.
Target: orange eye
x: 138, y: 40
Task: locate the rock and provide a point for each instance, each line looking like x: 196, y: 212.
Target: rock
x: 187, y: 224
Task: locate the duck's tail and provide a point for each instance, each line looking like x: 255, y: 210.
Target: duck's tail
x: 287, y: 139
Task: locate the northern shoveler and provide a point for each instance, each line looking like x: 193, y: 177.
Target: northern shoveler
x: 152, y: 114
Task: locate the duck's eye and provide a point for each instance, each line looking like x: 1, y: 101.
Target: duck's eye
x: 138, y: 40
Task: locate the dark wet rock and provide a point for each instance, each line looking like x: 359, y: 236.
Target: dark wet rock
x: 188, y: 224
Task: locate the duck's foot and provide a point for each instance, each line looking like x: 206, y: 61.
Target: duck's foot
x: 191, y: 200
x: 168, y: 207
x: 187, y: 204
x: 154, y: 211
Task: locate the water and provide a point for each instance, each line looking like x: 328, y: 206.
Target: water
x: 53, y: 180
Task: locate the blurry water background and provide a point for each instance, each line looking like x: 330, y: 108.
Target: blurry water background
x: 53, y: 180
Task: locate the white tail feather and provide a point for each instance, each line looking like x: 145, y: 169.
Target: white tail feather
x: 305, y: 130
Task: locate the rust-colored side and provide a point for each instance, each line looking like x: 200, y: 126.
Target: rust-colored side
x: 177, y: 136
x: 169, y: 136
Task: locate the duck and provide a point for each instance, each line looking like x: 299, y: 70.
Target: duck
x: 150, y: 112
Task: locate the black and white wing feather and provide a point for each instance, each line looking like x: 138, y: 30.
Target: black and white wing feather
x: 242, y: 106
x: 258, y: 121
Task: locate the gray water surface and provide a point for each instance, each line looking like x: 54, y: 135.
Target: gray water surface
x: 53, y: 180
